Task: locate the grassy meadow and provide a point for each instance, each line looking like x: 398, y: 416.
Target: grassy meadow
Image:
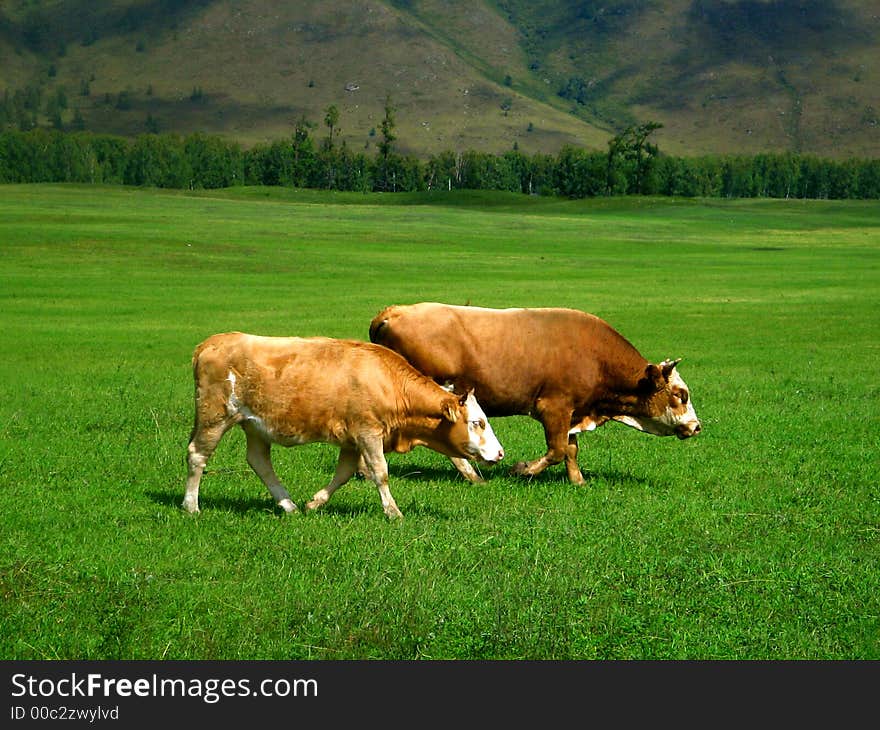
x: 759, y: 539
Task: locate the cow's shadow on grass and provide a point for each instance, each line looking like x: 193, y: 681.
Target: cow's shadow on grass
x: 339, y: 507
x: 366, y: 509
x: 218, y: 502
x: 406, y: 472
x: 554, y: 475
x: 399, y: 474
x: 592, y: 478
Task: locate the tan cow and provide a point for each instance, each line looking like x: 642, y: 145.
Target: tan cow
x: 362, y: 397
x: 565, y: 368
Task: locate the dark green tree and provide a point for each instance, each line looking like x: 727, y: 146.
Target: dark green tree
x: 869, y: 179
x: 214, y: 163
x: 269, y: 164
x: 632, y: 153
x: 737, y: 177
x: 386, y: 173
x: 331, y: 119
x: 158, y: 160
x: 20, y: 158
x: 111, y: 156
x: 579, y: 173
x: 303, y: 153
x: 388, y: 125
x: 398, y: 174
x: 78, y: 123
x: 69, y: 157
x: 485, y: 171
x: 354, y: 171
x: 443, y: 171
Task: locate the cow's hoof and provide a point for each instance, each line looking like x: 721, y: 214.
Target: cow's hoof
x: 313, y: 505
x: 393, y: 514
x: 521, y: 468
x: 288, y: 506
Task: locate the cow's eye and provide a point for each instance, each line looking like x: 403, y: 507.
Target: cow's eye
x: 684, y: 397
x: 479, y: 423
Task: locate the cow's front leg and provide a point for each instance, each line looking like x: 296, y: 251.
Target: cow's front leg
x: 374, y: 458
x: 575, y: 476
x: 345, y: 468
x: 259, y: 458
x: 467, y: 470
x: 556, y: 419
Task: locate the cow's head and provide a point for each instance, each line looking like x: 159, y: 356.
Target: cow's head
x: 470, y: 433
x: 664, y: 406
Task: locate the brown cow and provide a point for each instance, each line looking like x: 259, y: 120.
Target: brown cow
x: 362, y: 397
x: 567, y: 369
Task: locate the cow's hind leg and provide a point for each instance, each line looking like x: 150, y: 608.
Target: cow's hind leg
x: 374, y: 458
x: 259, y: 457
x: 345, y: 469
x: 202, y: 444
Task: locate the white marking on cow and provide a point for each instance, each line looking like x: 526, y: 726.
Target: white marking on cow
x: 481, y: 438
x: 236, y: 408
x: 258, y: 423
x: 687, y: 420
x: 232, y: 401
x: 587, y: 424
x: 637, y: 424
x: 287, y: 505
x: 664, y: 425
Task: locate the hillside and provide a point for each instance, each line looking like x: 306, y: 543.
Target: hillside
x: 720, y: 75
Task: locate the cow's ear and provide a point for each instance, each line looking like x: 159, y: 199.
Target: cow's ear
x: 653, y: 375
x: 450, y: 410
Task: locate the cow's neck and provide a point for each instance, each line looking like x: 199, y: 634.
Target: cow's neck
x: 620, y: 404
x: 415, y: 431
x: 626, y: 395
x: 422, y: 398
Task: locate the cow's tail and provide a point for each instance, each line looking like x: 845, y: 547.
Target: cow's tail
x: 378, y: 327
x: 198, y: 371
x: 195, y: 371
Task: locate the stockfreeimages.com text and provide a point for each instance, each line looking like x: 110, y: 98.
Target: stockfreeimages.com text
x: 209, y: 690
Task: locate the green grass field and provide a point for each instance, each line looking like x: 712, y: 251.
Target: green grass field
x: 759, y: 539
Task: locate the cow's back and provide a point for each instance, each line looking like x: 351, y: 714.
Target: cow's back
x: 511, y: 356
x: 305, y: 388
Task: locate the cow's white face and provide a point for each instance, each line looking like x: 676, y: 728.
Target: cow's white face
x: 675, y: 414
x: 482, y: 442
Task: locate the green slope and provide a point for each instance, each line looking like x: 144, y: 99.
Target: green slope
x: 720, y: 75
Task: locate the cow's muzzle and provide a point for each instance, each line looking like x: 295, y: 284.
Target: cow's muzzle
x: 686, y: 430
x: 495, y: 458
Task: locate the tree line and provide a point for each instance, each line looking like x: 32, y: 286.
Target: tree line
x: 630, y: 166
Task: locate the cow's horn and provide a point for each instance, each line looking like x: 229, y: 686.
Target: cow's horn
x: 668, y: 365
